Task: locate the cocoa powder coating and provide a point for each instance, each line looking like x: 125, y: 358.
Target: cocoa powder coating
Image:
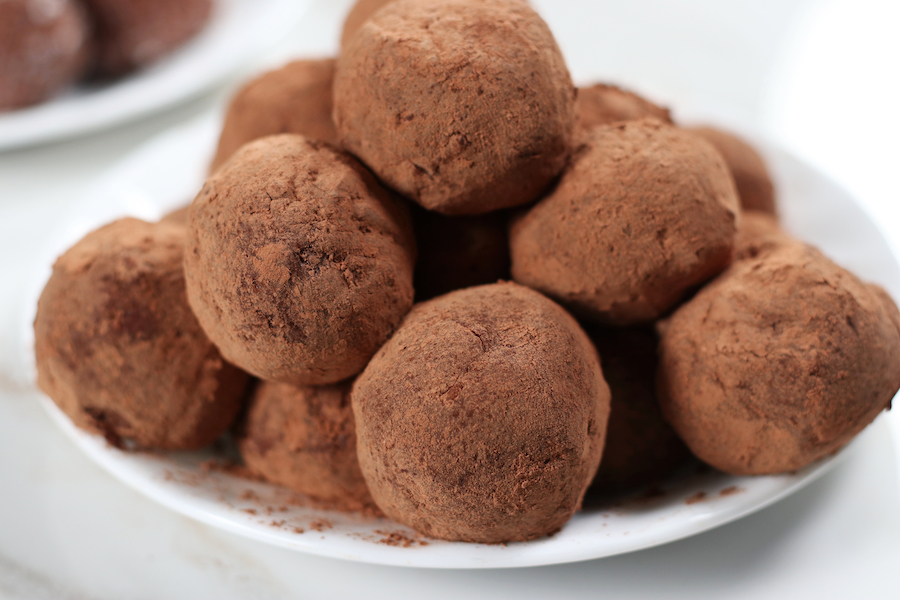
x: 298, y: 265
x: 304, y: 438
x: 778, y: 362
x: 44, y: 46
x: 293, y: 99
x: 754, y: 184
x: 130, y: 34
x: 645, y: 212
x: 465, y: 106
x: 118, y: 349
x: 483, y: 418
x: 359, y: 14
x: 641, y: 447
x: 603, y: 104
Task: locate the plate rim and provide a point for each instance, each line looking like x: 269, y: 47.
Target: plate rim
x: 25, y: 127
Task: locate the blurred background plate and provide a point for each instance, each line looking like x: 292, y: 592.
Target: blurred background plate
x: 238, y: 30
x: 813, y: 209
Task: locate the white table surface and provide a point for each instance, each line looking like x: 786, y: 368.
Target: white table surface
x: 68, y: 530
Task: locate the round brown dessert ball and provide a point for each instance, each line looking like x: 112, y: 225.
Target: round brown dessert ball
x: 131, y: 34
x: 758, y: 233
x: 465, y: 106
x: 645, y: 212
x: 293, y: 99
x: 118, y: 348
x: 603, y: 104
x: 482, y: 419
x: 754, y: 185
x: 298, y: 264
x: 359, y: 14
x: 179, y: 216
x: 43, y: 48
x: 458, y: 252
x: 641, y: 447
x: 778, y: 362
x: 304, y: 438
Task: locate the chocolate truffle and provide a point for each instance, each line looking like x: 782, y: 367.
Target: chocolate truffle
x: 298, y: 264
x: 465, y: 106
x: 359, y: 14
x: 179, y: 216
x: 754, y: 185
x: 778, y: 362
x: 482, y: 419
x: 43, y: 48
x: 603, y: 104
x: 118, y: 348
x: 641, y: 447
x: 130, y: 34
x: 757, y: 233
x: 458, y: 252
x: 304, y: 438
x: 645, y: 212
x: 293, y: 99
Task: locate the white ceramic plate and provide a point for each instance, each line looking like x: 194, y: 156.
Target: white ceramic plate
x: 166, y: 174
x: 238, y: 30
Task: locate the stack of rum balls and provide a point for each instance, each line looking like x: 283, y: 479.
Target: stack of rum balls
x: 47, y: 45
x: 467, y: 290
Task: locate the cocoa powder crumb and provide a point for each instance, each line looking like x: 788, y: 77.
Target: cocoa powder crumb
x: 730, y: 491
x: 698, y: 497
x: 320, y: 525
x: 399, y: 539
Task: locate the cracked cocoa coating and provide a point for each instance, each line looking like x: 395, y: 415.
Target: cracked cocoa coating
x: 778, y: 362
x: 304, y: 438
x: 465, y: 106
x: 603, y: 104
x: 645, y: 212
x: 298, y: 264
x: 131, y: 34
x: 458, y: 252
x: 293, y: 99
x: 482, y: 419
x: 359, y: 14
x: 754, y: 184
x: 118, y: 348
x: 641, y: 447
x: 44, y: 47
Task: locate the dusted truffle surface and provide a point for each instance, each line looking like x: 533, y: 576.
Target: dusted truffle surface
x: 754, y: 185
x: 359, y: 14
x: 298, y: 265
x: 482, y: 419
x: 465, y: 106
x: 778, y: 362
x: 645, y: 212
x: 118, y: 348
x: 304, y: 438
x: 293, y: 99
x: 130, y: 34
x: 602, y: 104
x: 458, y: 252
x: 641, y: 447
x: 43, y: 48
x: 179, y: 216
